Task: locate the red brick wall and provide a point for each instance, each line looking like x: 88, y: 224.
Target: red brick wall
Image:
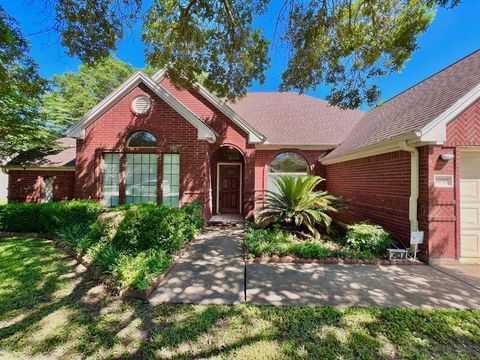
x: 228, y: 134
x: 110, y: 132
x: 379, y: 188
x: 28, y: 185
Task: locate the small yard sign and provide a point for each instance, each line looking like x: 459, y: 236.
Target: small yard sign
x: 416, y: 237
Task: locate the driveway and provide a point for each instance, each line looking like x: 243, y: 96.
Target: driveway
x: 212, y: 271
x: 418, y: 286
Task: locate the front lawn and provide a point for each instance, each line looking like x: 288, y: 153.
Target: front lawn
x: 50, y: 309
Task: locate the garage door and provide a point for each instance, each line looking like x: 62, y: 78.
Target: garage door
x: 470, y: 204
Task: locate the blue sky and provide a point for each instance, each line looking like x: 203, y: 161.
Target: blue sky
x: 452, y: 35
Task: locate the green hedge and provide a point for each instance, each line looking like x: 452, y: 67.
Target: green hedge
x: 49, y: 217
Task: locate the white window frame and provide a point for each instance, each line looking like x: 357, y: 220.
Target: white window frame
x: 218, y: 184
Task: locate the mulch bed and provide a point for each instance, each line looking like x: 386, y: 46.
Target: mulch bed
x: 296, y: 260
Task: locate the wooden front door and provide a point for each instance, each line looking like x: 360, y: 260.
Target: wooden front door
x: 229, y: 189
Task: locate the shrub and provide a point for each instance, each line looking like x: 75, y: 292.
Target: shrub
x: 74, y: 234
x: 138, y: 271
x: 149, y: 226
x: 297, y: 204
x: 368, y: 237
x: 47, y: 218
x: 194, y: 211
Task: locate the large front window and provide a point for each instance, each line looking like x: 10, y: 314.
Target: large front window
x: 141, y: 178
x: 286, y: 164
x: 171, y: 179
x: 111, y: 179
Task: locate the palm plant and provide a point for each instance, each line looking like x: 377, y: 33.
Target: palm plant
x: 297, y: 204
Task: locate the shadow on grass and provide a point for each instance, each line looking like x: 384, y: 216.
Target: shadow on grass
x: 63, y: 313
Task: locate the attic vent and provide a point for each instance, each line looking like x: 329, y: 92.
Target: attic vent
x: 140, y: 105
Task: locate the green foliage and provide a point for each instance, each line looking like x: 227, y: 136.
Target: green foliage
x: 368, y: 237
x: 297, y: 204
x: 48, y: 218
x: 140, y: 270
x: 75, y: 93
x: 260, y: 242
x: 91, y: 29
x: 135, y: 242
x: 194, y: 212
x: 149, y: 226
x: 22, y: 126
x: 213, y: 40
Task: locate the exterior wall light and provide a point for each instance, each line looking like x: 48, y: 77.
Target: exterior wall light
x: 447, y: 156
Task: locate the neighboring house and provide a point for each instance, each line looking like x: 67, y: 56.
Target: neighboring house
x: 411, y: 163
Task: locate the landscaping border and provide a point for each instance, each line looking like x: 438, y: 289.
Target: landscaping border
x: 106, y: 279
x: 275, y: 259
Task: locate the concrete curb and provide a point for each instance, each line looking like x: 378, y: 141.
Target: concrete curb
x: 296, y: 260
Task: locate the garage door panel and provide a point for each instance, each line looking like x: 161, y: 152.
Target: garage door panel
x: 470, y: 244
x: 470, y: 204
x: 470, y: 217
x: 470, y: 190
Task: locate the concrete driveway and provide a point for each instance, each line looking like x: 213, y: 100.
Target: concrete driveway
x: 212, y: 271
x: 418, y: 286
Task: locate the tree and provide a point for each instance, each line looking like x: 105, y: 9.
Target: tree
x: 22, y: 125
x: 74, y: 93
x: 344, y: 44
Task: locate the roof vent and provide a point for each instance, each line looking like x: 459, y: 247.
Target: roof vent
x: 141, y: 105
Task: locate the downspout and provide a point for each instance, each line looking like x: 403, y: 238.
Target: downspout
x: 414, y: 184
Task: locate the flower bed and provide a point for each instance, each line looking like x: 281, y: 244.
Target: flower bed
x: 274, y: 245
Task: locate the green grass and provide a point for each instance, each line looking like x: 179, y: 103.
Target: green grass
x: 49, y: 309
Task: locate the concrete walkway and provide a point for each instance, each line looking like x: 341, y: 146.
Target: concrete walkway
x: 210, y: 272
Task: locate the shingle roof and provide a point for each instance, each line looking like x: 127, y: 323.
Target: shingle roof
x: 48, y: 158
x: 414, y: 108
x: 289, y: 118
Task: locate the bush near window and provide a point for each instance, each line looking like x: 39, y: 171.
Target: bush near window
x: 135, y: 243
x: 368, y: 237
x: 47, y: 218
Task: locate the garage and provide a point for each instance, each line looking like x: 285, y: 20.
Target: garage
x: 470, y: 205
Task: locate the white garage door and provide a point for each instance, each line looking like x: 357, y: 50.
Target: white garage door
x: 470, y: 204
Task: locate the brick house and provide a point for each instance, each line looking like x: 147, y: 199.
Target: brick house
x: 412, y: 163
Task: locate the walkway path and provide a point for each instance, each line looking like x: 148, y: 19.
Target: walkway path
x: 210, y: 272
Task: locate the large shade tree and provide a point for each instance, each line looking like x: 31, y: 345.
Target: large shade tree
x: 344, y: 44
x: 72, y: 94
x: 22, y: 124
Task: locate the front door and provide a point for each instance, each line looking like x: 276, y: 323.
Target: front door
x: 229, y: 189
x: 470, y: 204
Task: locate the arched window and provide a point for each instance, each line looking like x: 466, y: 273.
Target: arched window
x: 142, y: 139
x: 286, y: 164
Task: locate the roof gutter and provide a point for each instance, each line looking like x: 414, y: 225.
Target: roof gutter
x: 414, y: 184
